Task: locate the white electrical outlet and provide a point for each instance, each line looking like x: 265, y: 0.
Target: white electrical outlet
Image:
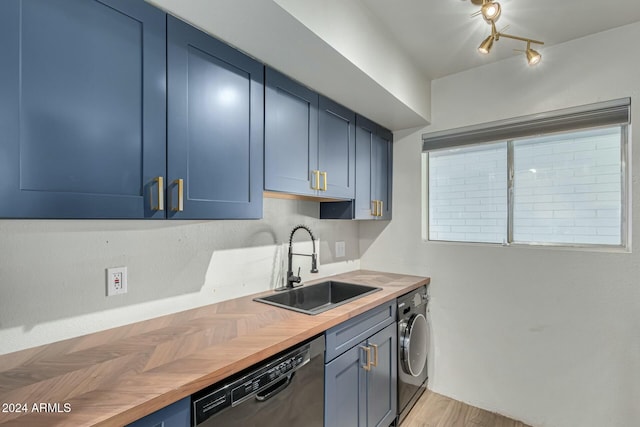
x: 116, y: 281
x: 340, y: 249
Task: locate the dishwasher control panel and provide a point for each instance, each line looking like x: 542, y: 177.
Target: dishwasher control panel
x: 239, y: 393
x: 214, y: 399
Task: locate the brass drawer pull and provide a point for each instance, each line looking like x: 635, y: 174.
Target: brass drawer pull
x: 375, y: 354
x: 377, y: 208
x: 160, y: 206
x: 180, y: 184
x: 367, y: 350
x: 316, y: 185
x: 324, y: 186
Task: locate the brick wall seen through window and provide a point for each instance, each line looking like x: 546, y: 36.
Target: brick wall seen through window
x: 567, y: 189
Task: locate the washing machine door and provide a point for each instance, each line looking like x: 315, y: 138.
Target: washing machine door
x: 414, y: 339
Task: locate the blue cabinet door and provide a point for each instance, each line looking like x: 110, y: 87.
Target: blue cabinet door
x: 365, y: 188
x: 82, y: 108
x: 214, y: 129
x: 382, y: 172
x: 291, y: 135
x: 382, y: 379
x: 355, y: 396
x: 345, y: 390
x: 336, y: 150
x: 374, y: 170
x: 174, y: 415
x: 309, y: 141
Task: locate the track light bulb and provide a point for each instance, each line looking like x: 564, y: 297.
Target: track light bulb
x: 533, y: 56
x: 491, y: 11
x: 485, y: 46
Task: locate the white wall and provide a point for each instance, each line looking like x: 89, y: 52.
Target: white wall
x: 355, y: 32
x: 52, y: 273
x: 547, y: 336
x: 356, y: 64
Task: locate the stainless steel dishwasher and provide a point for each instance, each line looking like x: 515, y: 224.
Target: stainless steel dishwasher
x: 286, y: 390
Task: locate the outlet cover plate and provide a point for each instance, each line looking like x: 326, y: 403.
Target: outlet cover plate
x: 116, y: 281
x: 340, y: 249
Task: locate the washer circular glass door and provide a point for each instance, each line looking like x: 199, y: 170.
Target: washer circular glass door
x: 414, y: 340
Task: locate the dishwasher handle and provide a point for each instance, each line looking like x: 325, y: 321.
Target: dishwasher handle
x: 276, y: 388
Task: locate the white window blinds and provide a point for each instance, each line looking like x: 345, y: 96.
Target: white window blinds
x: 607, y: 113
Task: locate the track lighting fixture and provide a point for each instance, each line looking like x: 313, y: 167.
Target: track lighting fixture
x: 490, y: 11
x: 533, y: 56
x: 485, y: 46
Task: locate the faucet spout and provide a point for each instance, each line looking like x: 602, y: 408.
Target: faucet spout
x: 291, y: 278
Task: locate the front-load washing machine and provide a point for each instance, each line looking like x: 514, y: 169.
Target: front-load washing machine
x: 413, y: 344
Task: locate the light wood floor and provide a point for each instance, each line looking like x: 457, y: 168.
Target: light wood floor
x: 435, y: 410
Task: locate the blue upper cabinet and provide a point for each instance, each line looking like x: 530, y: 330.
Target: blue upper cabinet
x: 291, y: 136
x: 336, y: 150
x: 214, y: 129
x: 373, y: 176
x: 374, y: 163
x: 309, y: 141
x: 82, y: 109
x: 382, y: 172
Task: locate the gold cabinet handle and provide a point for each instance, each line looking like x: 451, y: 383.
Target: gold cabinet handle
x: 316, y: 185
x: 160, y: 206
x: 180, y: 184
x: 324, y: 186
x: 375, y: 354
x: 381, y: 205
x: 376, y: 207
x: 367, y: 351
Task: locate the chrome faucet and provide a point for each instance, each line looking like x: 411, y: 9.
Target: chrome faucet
x: 291, y: 279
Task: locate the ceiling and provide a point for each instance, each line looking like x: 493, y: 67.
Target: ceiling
x: 441, y: 37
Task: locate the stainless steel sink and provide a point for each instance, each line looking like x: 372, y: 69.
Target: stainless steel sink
x: 314, y: 299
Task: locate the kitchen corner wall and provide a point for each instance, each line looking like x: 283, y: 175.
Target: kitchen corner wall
x: 52, y: 273
x: 547, y: 336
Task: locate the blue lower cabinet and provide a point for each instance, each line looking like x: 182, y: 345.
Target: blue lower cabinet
x: 82, y: 110
x: 345, y: 391
x: 175, y: 415
x: 361, y: 382
x: 214, y: 128
x: 381, y: 382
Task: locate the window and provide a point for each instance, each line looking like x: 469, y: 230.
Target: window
x: 468, y: 194
x: 568, y: 188
x: 562, y: 187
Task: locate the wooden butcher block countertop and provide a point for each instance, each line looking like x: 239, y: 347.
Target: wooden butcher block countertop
x: 114, y: 377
